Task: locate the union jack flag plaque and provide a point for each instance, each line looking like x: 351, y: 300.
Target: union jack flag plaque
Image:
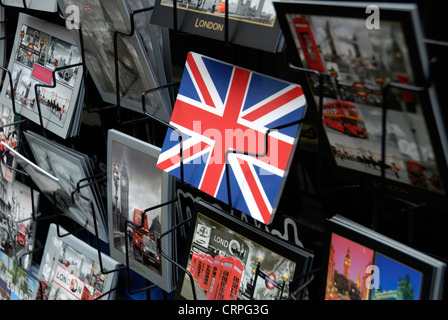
x: 238, y: 120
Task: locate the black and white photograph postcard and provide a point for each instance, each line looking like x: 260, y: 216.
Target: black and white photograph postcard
x: 9, y: 134
x: 39, y: 48
x: 70, y: 270
x: 135, y: 186
x: 357, y: 57
x: 156, y: 43
x: 70, y: 169
x: 60, y: 190
x: 251, y: 23
x: 46, y: 183
x: 41, y: 5
x: 17, y: 227
x: 230, y: 260
x: 99, y: 22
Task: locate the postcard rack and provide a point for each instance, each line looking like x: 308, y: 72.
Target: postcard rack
x: 381, y: 193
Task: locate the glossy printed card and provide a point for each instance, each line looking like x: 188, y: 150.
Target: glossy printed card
x: 359, y: 54
x: 222, y: 108
x: 42, y: 90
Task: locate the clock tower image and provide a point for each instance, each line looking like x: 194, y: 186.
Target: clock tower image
x: 124, y: 193
x: 347, y: 262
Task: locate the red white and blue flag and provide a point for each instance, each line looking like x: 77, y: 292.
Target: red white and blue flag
x: 222, y: 107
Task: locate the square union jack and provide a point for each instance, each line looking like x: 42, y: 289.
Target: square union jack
x: 221, y: 107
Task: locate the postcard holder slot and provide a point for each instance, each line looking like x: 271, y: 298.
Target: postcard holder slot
x: 144, y: 94
x: 92, y: 180
x: 117, y: 72
x: 159, y: 249
x: 33, y: 213
x: 140, y: 226
x: 168, y: 125
x: 127, y: 222
x: 89, y: 108
x: 380, y: 198
x: 13, y: 94
x: 18, y: 260
x: 50, y: 86
x: 320, y: 135
x: 309, y: 275
x: 13, y: 102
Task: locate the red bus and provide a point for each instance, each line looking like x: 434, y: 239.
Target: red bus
x: 21, y: 238
x: 407, y: 95
x: 143, y: 243
x: 308, y: 44
x: 416, y: 173
x: 344, y: 117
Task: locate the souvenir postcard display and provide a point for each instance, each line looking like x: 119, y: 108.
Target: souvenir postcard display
x: 40, y: 49
x: 135, y: 186
x: 228, y: 118
x: 17, y: 238
x: 251, y: 23
x: 230, y: 260
x: 70, y: 167
x: 358, y: 53
x: 70, y: 270
x: 365, y: 265
x: 99, y: 22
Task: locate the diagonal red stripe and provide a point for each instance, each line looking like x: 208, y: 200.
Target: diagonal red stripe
x: 274, y: 104
x: 256, y: 193
x: 196, y: 74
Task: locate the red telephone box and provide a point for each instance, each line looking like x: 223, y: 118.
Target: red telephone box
x: 308, y: 43
x: 229, y: 282
x: 194, y: 264
x: 407, y: 95
x: 205, y: 277
x: 216, y: 274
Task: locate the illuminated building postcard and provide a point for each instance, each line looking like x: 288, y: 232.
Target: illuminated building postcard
x: 362, y: 264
